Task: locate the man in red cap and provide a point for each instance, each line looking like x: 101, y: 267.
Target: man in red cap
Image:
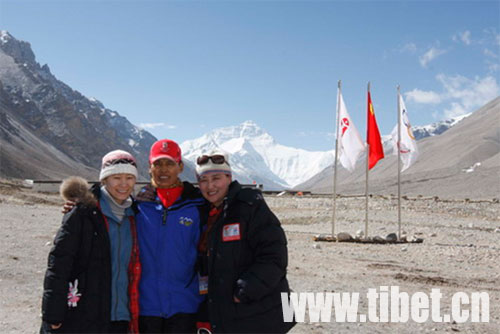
x: 168, y: 228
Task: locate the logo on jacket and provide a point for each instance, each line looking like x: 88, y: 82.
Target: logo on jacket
x: 186, y: 221
x: 73, y: 295
x: 231, y: 232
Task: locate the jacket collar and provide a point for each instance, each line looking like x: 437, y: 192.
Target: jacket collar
x: 96, y: 191
x: 232, y: 193
x: 190, y: 191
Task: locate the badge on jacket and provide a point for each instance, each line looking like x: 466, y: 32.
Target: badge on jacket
x: 231, y: 232
x: 203, y: 284
x: 73, y: 295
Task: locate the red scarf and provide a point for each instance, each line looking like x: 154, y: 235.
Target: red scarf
x: 168, y: 196
x: 212, y: 217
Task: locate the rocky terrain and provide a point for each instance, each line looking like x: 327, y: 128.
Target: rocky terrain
x: 460, y: 252
x: 48, y: 130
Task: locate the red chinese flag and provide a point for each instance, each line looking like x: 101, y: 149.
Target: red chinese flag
x: 373, y: 137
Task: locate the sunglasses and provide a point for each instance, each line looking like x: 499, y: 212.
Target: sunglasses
x: 216, y: 159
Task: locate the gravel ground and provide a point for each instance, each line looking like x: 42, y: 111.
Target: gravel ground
x: 460, y: 252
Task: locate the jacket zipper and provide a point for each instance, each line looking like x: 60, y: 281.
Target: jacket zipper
x: 164, y: 222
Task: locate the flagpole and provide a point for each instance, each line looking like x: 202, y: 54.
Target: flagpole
x: 399, y: 167
x: 336, y: 159
x: 367, y: 162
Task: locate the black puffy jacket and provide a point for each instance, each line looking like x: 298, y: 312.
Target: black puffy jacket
x: 248, y: 258
x: 81, y: 252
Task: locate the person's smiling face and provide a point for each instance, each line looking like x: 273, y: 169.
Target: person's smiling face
x: 119, y: 186
x: 165, y: 172
x: 214, y: 186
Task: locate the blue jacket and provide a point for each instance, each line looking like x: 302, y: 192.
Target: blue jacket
x: 168, y: 240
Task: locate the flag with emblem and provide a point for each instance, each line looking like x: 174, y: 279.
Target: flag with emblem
x: 350, y: 143
x: 408, y: 151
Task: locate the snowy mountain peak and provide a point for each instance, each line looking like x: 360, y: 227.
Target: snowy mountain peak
x: 4, y: 36
x: 17, y: 49
x: 256, y: 157
x: 247, y: 130
x: 437, y: 128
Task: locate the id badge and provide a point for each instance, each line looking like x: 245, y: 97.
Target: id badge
x: 203, y: 284
x: 231, y: 232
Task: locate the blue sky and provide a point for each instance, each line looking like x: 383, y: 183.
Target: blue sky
x: 182, y: 68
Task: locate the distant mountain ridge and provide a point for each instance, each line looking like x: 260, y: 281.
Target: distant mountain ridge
x: 257, y: 158
x: 437, y: 128
x: 462, y: 162
x: 49, y: 130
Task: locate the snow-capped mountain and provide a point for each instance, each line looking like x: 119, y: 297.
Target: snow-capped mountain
x: 256, y: 157
x: 437, y: 128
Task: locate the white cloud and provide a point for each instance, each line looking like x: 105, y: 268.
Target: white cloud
x: 489, y: 38
x: 464, y: 37
x: 489, y: 53
x: 157, y: 125
x: 491, y: 60
x: 409, y: 47
x: 493, y: 67
x: 460, y: 95
x: 420, y: 96
x: 430, y: 55
x: 467, y: 94
x: 455, y: 110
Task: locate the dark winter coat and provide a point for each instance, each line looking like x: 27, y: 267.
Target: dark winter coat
x: 247, y: 258
x: 81, y: 252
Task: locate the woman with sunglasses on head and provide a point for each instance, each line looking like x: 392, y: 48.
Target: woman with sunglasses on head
x: 168, y: 226
x: 93, y: 269
x: 244, y: 254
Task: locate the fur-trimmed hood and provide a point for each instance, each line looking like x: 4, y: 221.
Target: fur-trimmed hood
x: 76, y: 189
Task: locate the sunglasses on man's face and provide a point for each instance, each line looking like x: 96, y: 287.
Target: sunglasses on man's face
x: 216, y: 159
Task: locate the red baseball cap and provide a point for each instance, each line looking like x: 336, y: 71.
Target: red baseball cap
x: 165, y: 148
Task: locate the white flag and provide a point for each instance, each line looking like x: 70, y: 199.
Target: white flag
x: 408, y: 146
x: 350, y: 143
